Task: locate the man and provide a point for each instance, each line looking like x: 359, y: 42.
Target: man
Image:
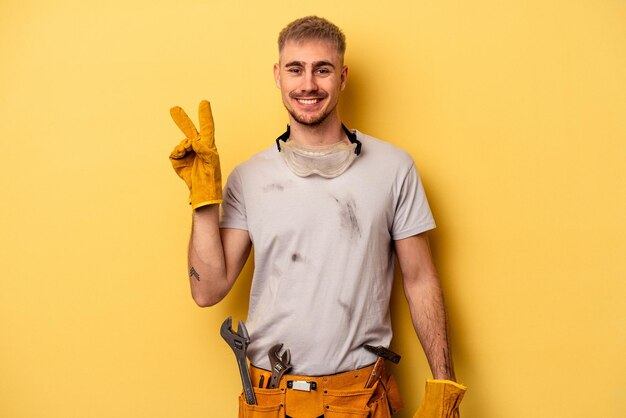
x: 326, y: 209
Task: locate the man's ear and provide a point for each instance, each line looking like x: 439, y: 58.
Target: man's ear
x: 277, y: 75
x: 344, y: 77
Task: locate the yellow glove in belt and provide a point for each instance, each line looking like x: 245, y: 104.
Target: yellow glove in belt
x: 441, y: 399
x: 196, y: 159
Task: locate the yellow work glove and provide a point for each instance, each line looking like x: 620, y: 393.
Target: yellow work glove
x: 196, y: 159
x: 441, y: 399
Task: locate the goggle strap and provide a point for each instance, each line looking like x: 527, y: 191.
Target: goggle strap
x: 351, y: 137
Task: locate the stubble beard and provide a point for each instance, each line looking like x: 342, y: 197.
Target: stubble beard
x: 310, y: 121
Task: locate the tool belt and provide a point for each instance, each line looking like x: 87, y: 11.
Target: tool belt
x: 340, y: 395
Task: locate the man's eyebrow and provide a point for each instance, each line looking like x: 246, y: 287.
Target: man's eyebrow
x: 316, y: 64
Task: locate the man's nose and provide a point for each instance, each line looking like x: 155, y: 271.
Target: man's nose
x: 308, y: 82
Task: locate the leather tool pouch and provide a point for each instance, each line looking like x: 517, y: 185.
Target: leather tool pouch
x: 270, y: 404
x: 380, y: 401
x: 393, y: 395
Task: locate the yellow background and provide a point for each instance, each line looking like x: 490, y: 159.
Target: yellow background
x: 514, y: 111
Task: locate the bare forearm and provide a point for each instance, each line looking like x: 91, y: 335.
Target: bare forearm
x: 216, y: 256
x: 423, y: 292
x: 429, y: 319
x: 207, y: 264
x: 207, y: 267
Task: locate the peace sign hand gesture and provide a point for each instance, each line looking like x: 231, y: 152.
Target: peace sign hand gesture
x: 196, y: 159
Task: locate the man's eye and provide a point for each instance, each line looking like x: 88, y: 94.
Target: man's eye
x: 293, y: 70
x: 323, y: 71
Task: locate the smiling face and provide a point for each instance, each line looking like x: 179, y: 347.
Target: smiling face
x: 310, y: 75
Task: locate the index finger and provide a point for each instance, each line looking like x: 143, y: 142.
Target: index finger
x: 183, y: 122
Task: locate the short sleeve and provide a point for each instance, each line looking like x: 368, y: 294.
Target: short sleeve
x: 412, y: 215
x: 233, y: 209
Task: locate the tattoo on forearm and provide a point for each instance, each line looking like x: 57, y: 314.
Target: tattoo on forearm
x: 194, y: 273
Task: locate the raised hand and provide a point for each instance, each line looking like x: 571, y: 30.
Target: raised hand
x: 196, y: 159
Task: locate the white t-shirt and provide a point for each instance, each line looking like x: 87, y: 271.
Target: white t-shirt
x: 323, y: 253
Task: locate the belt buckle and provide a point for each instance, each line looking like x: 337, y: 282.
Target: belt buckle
x: 301, y: 385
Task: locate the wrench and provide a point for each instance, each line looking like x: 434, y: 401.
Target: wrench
x: 280, y: 365
x: 239, y: 342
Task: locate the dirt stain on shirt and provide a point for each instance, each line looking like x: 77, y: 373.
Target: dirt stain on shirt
x: 273, y: 187
x: 296, y: 257
x: 347, y: 216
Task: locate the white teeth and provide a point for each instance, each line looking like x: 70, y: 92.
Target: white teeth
x: 308, y: 102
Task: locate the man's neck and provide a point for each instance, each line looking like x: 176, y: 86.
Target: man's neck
x: 326, y: 133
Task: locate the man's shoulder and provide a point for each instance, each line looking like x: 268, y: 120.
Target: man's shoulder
x: 383, y: 150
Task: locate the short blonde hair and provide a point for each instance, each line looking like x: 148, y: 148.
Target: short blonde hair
x: 313, y: 28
